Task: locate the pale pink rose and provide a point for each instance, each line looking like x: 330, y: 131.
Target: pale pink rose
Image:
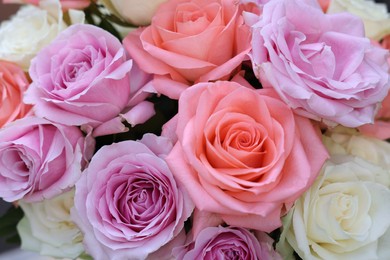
x: 243, y: 154
x: 138, y: 206
x: 190, y: 41
x: 228, y: 243
x: 381, y: 127
x: 65, y: 4
x: 320, y: 64
x: 85, y: 78
x: 39, y: 159
x: 13, y: 84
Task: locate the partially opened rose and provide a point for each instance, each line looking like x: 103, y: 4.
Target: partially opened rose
x: 320, y: 64
x: 84, y: 78
x: 190, y: 41
x: 39, y: 159
x: 227, y: 243
x: 344, y: 215
x: 242, y: 153
x: 13, y: 84
x: 127, y: 202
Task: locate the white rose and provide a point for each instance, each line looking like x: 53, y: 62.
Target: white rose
x: 344, y: 215
x: 136, y: 12
x: 374, y: 15
x: 47, y: 228
x: 32, y: 28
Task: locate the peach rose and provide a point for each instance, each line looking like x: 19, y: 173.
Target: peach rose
x: 190, y: 41
x: 242, y: 154
x: 13, y: 84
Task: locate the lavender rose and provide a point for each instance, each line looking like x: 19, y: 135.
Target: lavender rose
x: 228, y: 243
x: 39, y: 159
x: 320, y: 64
x: 127, y: 202
x: 84, y: 78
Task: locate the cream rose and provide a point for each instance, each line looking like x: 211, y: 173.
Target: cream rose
x: 344, y: 215
x: 136, y: 12
x: 374, y: 15
x: 348, y: 141
x: 47, y: 228
x: 31, y: 29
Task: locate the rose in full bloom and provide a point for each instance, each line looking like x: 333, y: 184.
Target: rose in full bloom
x: 127, y: 202
x: 32, y: 28
x: 190, y: 41
x: 47, y: 228
x: 66, y: 4
x: 374, y: 15
x: 243, y: 154
x: 136, y: 12
x: 13, y: 84
x: 344, y: 215
x: 85, y: 78
x: 228, y: 243
x: 39, y: 159
x: 320, y: 64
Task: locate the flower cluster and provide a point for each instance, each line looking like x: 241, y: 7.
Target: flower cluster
x: 197, y: 129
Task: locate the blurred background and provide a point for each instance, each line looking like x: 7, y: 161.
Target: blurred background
x: 6, y: 10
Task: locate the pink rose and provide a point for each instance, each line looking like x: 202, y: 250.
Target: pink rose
x: 84, y: 78
x: 13, y: 84
x: 381, y: 127
x: 127, y: 202
x: 190, y: 41
x: 66, y: 4
x: 228, y: 243
x: 243, y: 154
x: 320, y: 64
x: 40, y: 160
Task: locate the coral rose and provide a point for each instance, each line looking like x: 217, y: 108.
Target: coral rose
x: 13, y: 84
x: 243, y: 154
x: 190, y: 41
x: 320, y: 64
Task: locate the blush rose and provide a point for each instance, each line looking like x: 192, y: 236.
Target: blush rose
x: 242, y: 153
x: 40, y: 159
x: 127, y: 202
x: 190, y: 41
x: 321, y: 65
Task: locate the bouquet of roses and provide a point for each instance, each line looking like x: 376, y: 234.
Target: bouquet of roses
x: 197, y: 129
